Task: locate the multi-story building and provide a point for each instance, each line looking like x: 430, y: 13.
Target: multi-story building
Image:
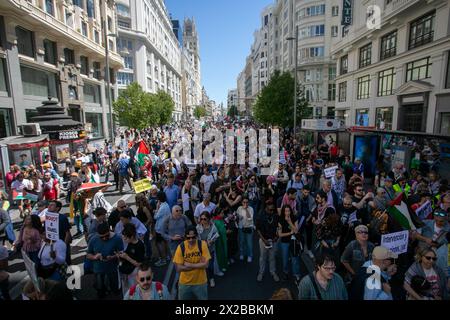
x: 241, y: 92
x: 232, y: 98
x: 192, y: 88
x: 56, y: 49
x: 154, y: 55
x: 396, y: 77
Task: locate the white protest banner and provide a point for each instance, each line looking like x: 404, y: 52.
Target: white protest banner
x: 396, y: 242
x: 330, y: 172
x: 424, y: 210
x: 31, y: 269
x: 52, y: 226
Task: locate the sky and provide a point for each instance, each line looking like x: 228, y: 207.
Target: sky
x: 225, y: 29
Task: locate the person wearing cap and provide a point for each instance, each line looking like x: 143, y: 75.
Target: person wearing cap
x: 435, y: 234
x: 402, y: 186
x: 372, y: 280
x: 357, y: 252
x: 388, y: 187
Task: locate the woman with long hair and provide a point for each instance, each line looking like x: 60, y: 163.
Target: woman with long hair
x: 288, y: 227
x: 30, y: 237
x: 221, y: 243
x: 145, y: 215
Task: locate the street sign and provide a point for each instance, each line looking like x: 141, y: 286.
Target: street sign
x: 347, y: 12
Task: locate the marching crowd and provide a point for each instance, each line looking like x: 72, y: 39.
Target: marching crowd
x: 204, y: 218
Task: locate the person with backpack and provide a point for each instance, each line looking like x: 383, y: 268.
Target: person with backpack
x: 174, y: 228
x: 372, y: 280
x: 324, y: 283
x: 145, y: 288
x: 125, y: 172
x: 191, y: 260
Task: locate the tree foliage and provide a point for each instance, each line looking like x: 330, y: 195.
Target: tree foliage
x: 199, y: 112
x: 275, y: 103
x: 232, y: 112
x: 138, y: 109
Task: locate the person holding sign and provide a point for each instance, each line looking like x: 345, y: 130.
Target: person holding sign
x: 52, y: 259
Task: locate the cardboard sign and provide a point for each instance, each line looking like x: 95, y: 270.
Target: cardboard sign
x: 142, y: 185
x: 396, y: 242
x: 31, y: 270
x: 52, y: 226
x: 330, y: 172
x: 424, y: 210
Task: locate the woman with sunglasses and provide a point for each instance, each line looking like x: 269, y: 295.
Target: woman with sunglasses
x: 426, y: 267
x: 207, y: 231
x: 435, y: 234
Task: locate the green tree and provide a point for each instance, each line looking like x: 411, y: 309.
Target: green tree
x: 199, y: 112
x: 138, y: 109
x: 233, y: 112
x: 275, y: 103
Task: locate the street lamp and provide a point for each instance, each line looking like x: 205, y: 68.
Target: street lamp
x: 295, y: 38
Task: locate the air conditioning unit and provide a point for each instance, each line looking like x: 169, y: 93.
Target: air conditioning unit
x: 31, y: 129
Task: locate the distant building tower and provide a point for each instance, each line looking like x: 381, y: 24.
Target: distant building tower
x: 176, y: 29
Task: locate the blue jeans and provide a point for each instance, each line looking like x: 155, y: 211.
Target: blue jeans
x: 79, y: 223
x: 245, y: 243
x: 210, y: 270
x: 285, y: 254
x: 9, y: 230
x: 148, y: 245
x: 193, y: 292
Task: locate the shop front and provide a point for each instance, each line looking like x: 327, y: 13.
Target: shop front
x: 318, y: 131
x: 64, y: 144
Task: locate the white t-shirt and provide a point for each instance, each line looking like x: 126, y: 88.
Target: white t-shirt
x: 44, y: 253
x: 19, y: 186
x: 207, y: 181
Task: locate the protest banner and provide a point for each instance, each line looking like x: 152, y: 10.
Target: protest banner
x: 52, y: 226
x: 424, y: 210
x: 142, y: 185
x: 31, y: 270
x: 396, y: 242
x: 31, y: 196
x: 330, y: 172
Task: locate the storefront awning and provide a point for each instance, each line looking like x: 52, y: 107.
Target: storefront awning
x: 24, y: 142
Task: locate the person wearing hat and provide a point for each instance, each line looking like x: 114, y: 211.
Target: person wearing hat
x: 357, y: 252
x: 372, y: 280
x: 388, y: 187
x: 402, y: 186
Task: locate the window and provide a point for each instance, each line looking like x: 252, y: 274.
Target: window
x: 312, y: 52
x: 30, y: 114
x: 363, y: 87
x: 96, y: 67
x: 262, y: 64
x: 123, y: 10
x: 49, y: 7
x: 109, y: 24
x: 262, y: 54
x: 362, y: 117
x: 84, y: 65
x: 95, y: 122
x: 412, y: 118
x: 388, y: 45
x: 25, y: 41
x: 69, y: 56
x: 343, y: 91
x: 124, y: 78
x: 330, y: 112
x: 344, y: 65
x: 123, y: 24
x: 50, y: 51
x: 365, y: 55
x: 38, y: 83
x: 444, y: 127
x: 421, y: 31
x: 447, y: 81
x: 384, y: 118
x: 331, y: 92
x: 335, y: 11
x: 73, y: 93
x: 5, y: 123
x: 3, y: 86
x: 128, y: 62
x: 91, y: 93
x: 419, y: 69
x: 345, y: 30
x: 386, y: 82
x: 84, y: 31
x: 96, y: 37
x: 331, y: 73
x: 312, y: 31
x: 90, y: 8
x: 334, y: 31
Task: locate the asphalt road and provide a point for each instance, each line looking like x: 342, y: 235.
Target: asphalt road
x: 238, y: 283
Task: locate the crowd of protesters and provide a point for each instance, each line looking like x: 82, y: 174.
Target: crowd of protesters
x: 204, y: 218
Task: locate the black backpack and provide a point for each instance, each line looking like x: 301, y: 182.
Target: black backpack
x: 358, y: 284
x: 199, y: 245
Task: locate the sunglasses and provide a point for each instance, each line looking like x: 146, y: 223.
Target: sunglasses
x: 362, y: 232
x: 440, y: 214
x: 191, y: 237
x: 203, y: 219
x: 145, y: 279
x: 430, y: 258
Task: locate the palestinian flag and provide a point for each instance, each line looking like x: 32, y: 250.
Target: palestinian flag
x: 141, y: 152
x: 399, y: 210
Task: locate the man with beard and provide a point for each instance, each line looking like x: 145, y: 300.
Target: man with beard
x: 146, y: 288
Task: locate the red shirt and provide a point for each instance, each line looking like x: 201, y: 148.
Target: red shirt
x: 334, y: 151
x: 50, y: 192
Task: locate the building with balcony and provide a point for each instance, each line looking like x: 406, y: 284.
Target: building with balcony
x: 232, y: 98
x: 57, y: 49
x: 150, y: 49
x: 396, y: 77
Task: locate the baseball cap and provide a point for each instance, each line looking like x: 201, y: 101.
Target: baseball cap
x: 361, y: 227
x: 383, y: 253
x: 388, y: 179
